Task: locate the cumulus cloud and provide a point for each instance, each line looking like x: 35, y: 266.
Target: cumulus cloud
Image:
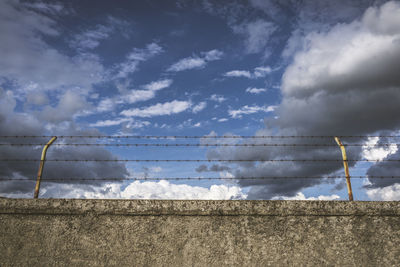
x: 13, y: 122
x: 159, y: 109
x: 140, y: 190
x: 372, y: 150
x: 37, y: 98
x: 69, y: 105
x: 196, y: 62
x: 342, y: 81
x: 166, y: 190
x: 301, y: 196
x: 387, y: 193
x: 27, y: 58
x: 360, y: 76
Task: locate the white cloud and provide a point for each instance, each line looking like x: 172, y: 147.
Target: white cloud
x: 301, y: 196
x: 135, y: 124
x: 166, y: 190
x: 106, y: 104
x: 107, y: 123
x: 196, y: 62
x: 135, y: 57
x: 212, y: 55
x: 37, y: 98
x: 372, y: 151
x: 47, y: 8
x: 255, y: 90
x: 142, y: 190
x: 188, y: 124
x: 222, y: 119
x: 348, y: 74
x: 259, y: 72
x: 138, y: 95
x: 217, y: 98
x: 132, y: 96
x: 388, y: 193
x: 385, y: 20
x: 69, y: 105
x: 91, y: 38
x: 245, y: 110
x: 349, y: 55
x: 257, y: 34
x: 238, y: 73
x: 27, y: 58
x: 188, y: 63
x: 199, y: 107
x: 158, y: 85
x: 151, y: 50
x: 159, y: 109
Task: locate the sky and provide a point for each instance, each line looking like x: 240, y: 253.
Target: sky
x: 200, y: 68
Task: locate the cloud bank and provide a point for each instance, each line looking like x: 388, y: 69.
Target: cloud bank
x: 343, y: 81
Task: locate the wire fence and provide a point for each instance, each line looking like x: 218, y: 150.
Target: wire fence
x: 203, y: 142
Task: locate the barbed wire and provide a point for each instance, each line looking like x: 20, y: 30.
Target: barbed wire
x: 198, y: 136
x: 202, y: 160
x: 195, y: 178
x: 204, y: 145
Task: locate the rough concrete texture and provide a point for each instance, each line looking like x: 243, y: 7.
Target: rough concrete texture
x: 57, y: 232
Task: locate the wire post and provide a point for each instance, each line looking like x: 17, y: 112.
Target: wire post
x: 346, y: 167
x: 41, y: 166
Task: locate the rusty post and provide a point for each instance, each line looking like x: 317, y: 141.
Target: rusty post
x: 41, y: 166
x: 346, y: 167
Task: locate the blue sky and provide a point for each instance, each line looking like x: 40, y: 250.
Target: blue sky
x: 201, y: 68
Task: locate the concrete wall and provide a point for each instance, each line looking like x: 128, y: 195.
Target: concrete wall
x: 58, y: 232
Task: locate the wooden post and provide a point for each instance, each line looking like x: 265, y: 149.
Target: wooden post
x: 41, y: 166
x: 346, y: 167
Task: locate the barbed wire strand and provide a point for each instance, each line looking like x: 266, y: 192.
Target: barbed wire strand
x: 198, y: 136
x: 196, y: 178
x: 207, y: 145
x: 200, y: 160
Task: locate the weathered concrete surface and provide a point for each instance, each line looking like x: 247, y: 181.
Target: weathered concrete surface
x: 58, y: 232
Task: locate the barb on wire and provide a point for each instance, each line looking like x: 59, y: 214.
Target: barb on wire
x: 196, y: 178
